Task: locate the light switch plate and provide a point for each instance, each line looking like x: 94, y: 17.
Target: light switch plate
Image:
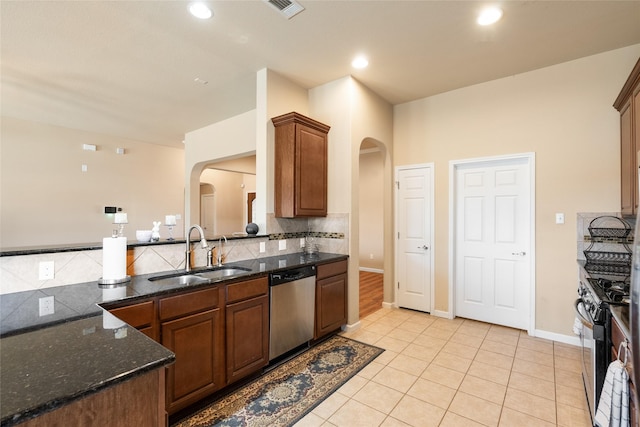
x: 559, y: 218
x: 282, y: 245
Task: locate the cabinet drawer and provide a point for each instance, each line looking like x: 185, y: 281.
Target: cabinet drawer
x: 328, y: 270
x: 137, y: 315
x: 191, y: 302
x: 248, y: 289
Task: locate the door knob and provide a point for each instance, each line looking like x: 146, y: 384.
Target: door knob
x: 518, y: 253
x: 425, y: 247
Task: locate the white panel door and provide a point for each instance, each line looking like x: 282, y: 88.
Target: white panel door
x: 492, y: 242
x: 414, y: 234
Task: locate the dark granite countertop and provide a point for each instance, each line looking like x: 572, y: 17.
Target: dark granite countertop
x: 47, y: 362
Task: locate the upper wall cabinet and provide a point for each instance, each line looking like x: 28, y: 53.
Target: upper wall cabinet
x: 628, y: 104
x: 300, y: 166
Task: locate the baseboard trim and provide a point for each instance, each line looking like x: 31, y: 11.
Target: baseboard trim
x: 439, y: 313
x: 352, y: 327
x: 565, y: 339
x: 372, y: 270
x: 389, y: 305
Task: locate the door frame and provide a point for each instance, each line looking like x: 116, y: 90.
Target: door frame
x: 396, y: 229
x: 479, y: 161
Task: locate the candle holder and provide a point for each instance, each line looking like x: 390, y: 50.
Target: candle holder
x: 170, y: 229
x: 120, y: 220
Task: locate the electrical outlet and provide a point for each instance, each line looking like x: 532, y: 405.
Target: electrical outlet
x: 263, y: 248
x: 46, y: 305
x: 302, y: 242
x: 46, y: 270
x: 559, y: 218
x: 282, y: 245
x: 370, y: 256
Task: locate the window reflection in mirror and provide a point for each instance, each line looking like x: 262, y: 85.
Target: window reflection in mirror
x: 226, y: 189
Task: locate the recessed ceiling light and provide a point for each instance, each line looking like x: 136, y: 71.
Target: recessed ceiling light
x: 489, y: 16
x: 200, y: 10
x: 360, y: 62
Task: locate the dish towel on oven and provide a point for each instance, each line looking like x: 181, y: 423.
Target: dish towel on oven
x: 613, y: 408
x: 577, y: 326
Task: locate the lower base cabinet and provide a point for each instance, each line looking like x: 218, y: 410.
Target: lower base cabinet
x: 192, y: 327
x: 247, y: 313
x: 617, y: 337
x: 138, y: 402
x: 331, y: 297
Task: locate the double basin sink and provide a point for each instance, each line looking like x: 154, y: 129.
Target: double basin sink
x: 199, y: 276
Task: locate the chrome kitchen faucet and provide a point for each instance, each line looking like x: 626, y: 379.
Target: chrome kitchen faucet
x: 203, y: 243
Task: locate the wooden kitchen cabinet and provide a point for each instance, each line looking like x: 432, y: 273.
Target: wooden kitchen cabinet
x: 617, y: 336
x: 138, y: 402
x: 628, y: 104
x: 300, y: 166
x: 141, y: 316
x: 331, y: 297
x: 192, y: 327
x: 247, y: 313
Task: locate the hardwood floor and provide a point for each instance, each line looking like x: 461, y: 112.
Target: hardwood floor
x: 371, y: 293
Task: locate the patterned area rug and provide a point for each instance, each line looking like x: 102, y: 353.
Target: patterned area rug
x: 284, y: 395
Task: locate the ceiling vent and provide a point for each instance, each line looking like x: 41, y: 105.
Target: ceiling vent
x: 288, y: 8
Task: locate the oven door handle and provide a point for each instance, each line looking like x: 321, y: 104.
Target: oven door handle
x: 586, y: 322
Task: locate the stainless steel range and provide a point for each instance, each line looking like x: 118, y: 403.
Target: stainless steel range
x: 604, y: 281
x: 596, y: 294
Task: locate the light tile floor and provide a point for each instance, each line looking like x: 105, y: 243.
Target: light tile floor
x: 440, y: 372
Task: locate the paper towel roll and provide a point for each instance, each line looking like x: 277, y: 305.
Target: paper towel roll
x: 109, y: 321
x: 114, y: 258
x: 113, y: 294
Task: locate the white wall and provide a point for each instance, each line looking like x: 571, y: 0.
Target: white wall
x: 371, y: 199
x: 225, y: 140
x: 48, y: 200
x: 562, y: 113
x: 354, y: 114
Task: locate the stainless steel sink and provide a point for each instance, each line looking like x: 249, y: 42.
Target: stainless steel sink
x: 222, y: 272
x: 198, y: 277
x: 185, y: 279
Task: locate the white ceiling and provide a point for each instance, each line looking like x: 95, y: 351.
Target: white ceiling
x: 127, y: 68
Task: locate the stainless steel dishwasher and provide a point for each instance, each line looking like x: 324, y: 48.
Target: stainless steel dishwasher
x: 292, y: 309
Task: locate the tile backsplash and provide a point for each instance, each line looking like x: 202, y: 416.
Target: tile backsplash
x: 20, y: 272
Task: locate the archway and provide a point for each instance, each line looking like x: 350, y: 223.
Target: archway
x: 373, y: 235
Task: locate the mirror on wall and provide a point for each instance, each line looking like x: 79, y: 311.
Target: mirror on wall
x: 227, y: 196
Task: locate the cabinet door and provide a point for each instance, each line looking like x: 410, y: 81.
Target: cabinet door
x: 310, y: 172
x: 247, y: 337
x: 628, y: 171
x: 197, y: 341
x: 141, y: 316
x: 635, y: 130
x: 331, y: 304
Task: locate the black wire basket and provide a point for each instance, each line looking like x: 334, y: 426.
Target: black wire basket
x: 609, y: 227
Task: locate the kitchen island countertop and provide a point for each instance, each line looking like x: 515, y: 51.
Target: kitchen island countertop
x: 47, y: 362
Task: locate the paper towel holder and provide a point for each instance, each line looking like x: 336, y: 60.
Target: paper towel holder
x: 113, y: 283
